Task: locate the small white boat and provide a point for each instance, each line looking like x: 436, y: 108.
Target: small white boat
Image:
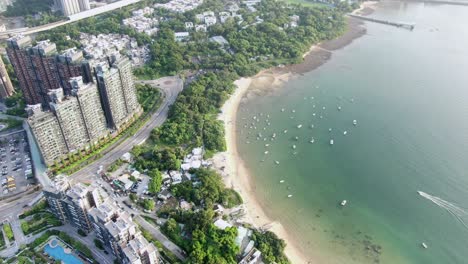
x: 312, y: 98
x: 331, y: 141
x: 267, y: 145
x: 345, y: 132
x: 282, y: 109
x: 321, y: 117
x: 354, y: 122
x: 313, y: 114
x: 329, y: 130
x: 281, y: 181
x: 312, y: 126
x: 299, y: 126
x: 294, y: 146
x: 313, y: 106
x: 324, y: 108
x: 424, y: 245
x: 266, y: 152
x: 297, y: 138
x: 277, y: 162
x: 274, y: 135
x: 290, y: 195
x: 312, y: 140
x: 294, y: 111
x: 285, y: 131
x: 343, y: 203
x: 339, y: 108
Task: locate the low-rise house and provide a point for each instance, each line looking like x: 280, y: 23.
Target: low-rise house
x: 181, y: 36
x: 201, y: 28
x: 189, y: 25
x: 210, y: 20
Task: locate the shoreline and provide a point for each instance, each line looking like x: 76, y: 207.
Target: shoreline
x: 229, y: 163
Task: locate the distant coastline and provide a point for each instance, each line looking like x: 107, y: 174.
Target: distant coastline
x: 231, y: 166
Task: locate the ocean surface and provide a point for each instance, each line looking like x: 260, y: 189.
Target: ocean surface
x: 408, y: 92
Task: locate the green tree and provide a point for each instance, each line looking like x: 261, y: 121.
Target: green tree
x: 154, y: 185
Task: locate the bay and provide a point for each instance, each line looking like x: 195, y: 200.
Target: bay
x: 408, y: 92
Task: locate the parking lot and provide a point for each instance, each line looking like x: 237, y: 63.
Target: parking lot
x: 15, y: 163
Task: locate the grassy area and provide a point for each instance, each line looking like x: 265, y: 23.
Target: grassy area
x: 39, y: 222
x: 11, y: 123
x: 115, y: 165
x: 8, y: 232
x: 39, y: 207
x: 233, y: 198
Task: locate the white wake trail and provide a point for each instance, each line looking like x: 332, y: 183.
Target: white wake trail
x: 456, y: 211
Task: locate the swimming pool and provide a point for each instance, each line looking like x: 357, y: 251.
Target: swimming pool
x: 58, y: 253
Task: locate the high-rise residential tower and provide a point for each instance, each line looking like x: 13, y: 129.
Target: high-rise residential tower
x: 90, y: 108
x: 39, y: 69
x: 19, y: 58
x: 70, y: 7
x: 118, y: 92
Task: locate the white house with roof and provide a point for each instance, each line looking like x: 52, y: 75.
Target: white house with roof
x: 181, y: 36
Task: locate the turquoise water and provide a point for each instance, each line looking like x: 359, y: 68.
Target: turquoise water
x: 408, y: 91
x: 59, y: 254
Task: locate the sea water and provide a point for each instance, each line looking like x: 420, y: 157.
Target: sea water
x: 408, y: 92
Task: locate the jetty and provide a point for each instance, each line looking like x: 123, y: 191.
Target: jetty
x: 408, y: 26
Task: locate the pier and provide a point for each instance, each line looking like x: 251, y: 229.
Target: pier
x: 386, y: 22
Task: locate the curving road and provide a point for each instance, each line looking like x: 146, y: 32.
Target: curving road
x: 170, y: 87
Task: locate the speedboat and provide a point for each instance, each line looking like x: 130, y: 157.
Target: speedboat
x: 266, y: 152
x: 329, y: 130
x: 277, y: 162
x: 339, y: 108
x: 312, y: 140
x: 331, y: 142
x: 299, y: 126
x: 290, y: 195
x: 424, y: 245
x: 420, y: 193
x: 343, y: 203
x: 354, y: 122
x: 294, y: 146
x: 345, y: 132
x: 285, y: 131
x: 281, y: 181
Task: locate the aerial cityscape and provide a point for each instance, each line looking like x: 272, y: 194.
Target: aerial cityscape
x: 233, y: 131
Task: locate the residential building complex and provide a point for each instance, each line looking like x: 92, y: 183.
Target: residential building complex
x: 90, y: 208
x: 39, y: 69
x: 68, y: 112
x: 6, y: 88
x: 70, y: 7
x: 72, y: 204
x: 73, y: 122
x: 117, y: 231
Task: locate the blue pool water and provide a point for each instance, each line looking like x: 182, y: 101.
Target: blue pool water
x: 59, y: 254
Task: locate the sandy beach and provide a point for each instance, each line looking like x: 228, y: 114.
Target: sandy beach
x: 231, y: 166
